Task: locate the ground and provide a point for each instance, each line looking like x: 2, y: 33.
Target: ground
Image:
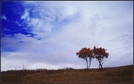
x: 114, y: 74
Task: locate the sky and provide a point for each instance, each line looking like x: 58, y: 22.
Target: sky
x: 47, y: 34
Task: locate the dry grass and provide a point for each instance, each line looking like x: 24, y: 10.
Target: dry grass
x: 117, y: 74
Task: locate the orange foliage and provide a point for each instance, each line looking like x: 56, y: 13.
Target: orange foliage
x: 100, y: 52
x: 85, y: 52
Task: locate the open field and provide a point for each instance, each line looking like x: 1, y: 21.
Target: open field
x: 115, y: 74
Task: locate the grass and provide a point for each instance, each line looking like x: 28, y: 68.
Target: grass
x: 115, y: 74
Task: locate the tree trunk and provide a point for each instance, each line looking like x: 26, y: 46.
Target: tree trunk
x: 87, y: 64
x: 100, y: 66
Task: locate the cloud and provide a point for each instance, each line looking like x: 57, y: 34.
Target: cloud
x: 4, y: 17
x: 62, y: 28
x: 25, y: 15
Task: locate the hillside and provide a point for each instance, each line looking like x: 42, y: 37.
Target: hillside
x: 116, y: 74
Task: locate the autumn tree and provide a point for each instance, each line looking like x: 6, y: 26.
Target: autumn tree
x: 100, y: 54
x: 86, y: 54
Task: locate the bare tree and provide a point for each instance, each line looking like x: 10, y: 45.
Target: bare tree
x: 23, y: 67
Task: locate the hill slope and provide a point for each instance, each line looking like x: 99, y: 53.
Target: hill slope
x: 116, y: 74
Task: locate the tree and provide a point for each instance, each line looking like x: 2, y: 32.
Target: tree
x: 86, y: 54
x: 100, y: 54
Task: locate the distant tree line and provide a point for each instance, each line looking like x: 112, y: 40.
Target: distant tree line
x: 88, y: 54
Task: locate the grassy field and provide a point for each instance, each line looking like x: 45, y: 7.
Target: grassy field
x: 115, y: 74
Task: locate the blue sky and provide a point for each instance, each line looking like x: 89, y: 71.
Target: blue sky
x: 47, y: 34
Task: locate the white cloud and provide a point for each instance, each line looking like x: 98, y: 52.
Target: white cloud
x: 101, y: 24
x: 13, y: 60
x: 25, y: 15
x: 4, y: 17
